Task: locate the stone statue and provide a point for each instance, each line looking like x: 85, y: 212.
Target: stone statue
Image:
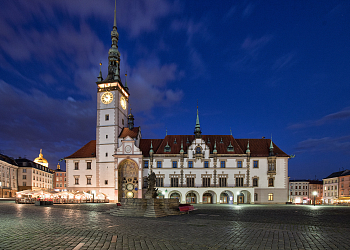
x: 151, y: 190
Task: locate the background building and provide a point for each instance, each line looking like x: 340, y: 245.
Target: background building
x: 60, y: 179
x: 33, y: 176
x: 299, y: 191
x: 8, y: 177
x: 344, y: 187
x: 315, y: 191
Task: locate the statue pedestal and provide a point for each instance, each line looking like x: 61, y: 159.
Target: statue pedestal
x: 147, y: 208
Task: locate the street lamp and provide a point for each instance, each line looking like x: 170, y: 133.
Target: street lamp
x: 314, y: 193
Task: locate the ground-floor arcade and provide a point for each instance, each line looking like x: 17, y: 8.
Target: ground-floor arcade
x: 205, y: 195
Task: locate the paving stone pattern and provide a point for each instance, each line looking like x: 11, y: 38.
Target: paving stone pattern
x: 89, y: 226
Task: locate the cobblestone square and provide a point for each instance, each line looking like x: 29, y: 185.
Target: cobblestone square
x: 89, y: 226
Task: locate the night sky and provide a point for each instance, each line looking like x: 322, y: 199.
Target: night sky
x: 259, y: 68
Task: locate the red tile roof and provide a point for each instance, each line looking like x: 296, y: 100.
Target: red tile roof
x: 87, y: 151
x: 133, y: 133
x: 258, y: 147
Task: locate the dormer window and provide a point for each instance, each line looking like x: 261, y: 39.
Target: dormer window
x: 198, y: 150
x: 230, y: 148
x: 167, y: 148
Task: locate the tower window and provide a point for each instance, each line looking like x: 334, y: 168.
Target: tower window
x: 106, y: 154
x: 106, y: 136
x: 107, y: 117
x: 123, y: 121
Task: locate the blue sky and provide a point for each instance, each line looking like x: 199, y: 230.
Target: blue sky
x: 255, y: 67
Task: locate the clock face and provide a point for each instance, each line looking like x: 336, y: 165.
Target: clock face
x: 123, y: 102
x: 129, y: 187
x: 107, y: 98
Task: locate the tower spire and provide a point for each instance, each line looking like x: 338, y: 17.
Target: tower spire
x: 197, y: 130
x: 115, y: 14
x: 113, y: 53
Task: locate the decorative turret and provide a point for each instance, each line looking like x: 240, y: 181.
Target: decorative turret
x: 151, y: 149
x: 126, y: 84
x: 182, y: 148
x: 197, y: 130
x: 215, y: 151
x: 130, y: 121
x: 248, y: 150
x: 271, y: 148
x: 99, y: 78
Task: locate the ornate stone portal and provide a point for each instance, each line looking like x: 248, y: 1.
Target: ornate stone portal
x: 127, y: 180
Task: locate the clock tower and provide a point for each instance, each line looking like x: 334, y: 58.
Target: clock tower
x: 112, y: 106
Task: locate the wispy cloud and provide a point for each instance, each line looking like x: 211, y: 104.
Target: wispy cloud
x: 325, y: 144
x: 284, y: 61
x: 248, y: 10
x: 340, y: 115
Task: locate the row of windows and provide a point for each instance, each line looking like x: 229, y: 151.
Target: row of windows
x: 88, y: 165
x: 296, y: 193
x: 60, y: 174
x: 206, y: 182
x: 60, y: 185
x: 206, y: 164
x: 296, y: 187
x: 24, y: 177
x: 60, y: 179
x: 330, y: 188
x: 88, y: 181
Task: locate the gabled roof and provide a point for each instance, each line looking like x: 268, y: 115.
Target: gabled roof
x: 87, y: 151
x: 258, y: 147
x: 145, y: 145
x: 133, y: 133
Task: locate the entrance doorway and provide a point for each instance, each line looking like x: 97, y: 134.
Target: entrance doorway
x: 207, y: 198
x: 224, y: 198
x: 240, y: 198
x: 175, y: 196
x: 191, y: 198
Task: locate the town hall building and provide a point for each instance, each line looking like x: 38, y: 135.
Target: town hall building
x: 193, y: 168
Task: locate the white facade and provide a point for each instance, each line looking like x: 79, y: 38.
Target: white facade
x: 299, y: 192
x: 8, y: 177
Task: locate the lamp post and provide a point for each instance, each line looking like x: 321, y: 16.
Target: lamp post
x: 314, y: 193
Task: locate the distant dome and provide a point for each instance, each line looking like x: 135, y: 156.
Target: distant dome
x: 41, y: 160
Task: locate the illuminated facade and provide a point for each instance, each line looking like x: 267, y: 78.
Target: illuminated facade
x: 59, y: 179
x: 334, y: 186
x: 8, y: 177
x: 33, y: 176
x: 193, y: 168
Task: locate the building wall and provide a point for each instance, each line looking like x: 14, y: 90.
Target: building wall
x: 330, y: 190
x: 299, y: 192
x: 82, y: 174
x: 8, y: 179
x: 344, y: 188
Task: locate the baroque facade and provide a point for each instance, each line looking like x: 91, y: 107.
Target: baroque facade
x: 193, y: 168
